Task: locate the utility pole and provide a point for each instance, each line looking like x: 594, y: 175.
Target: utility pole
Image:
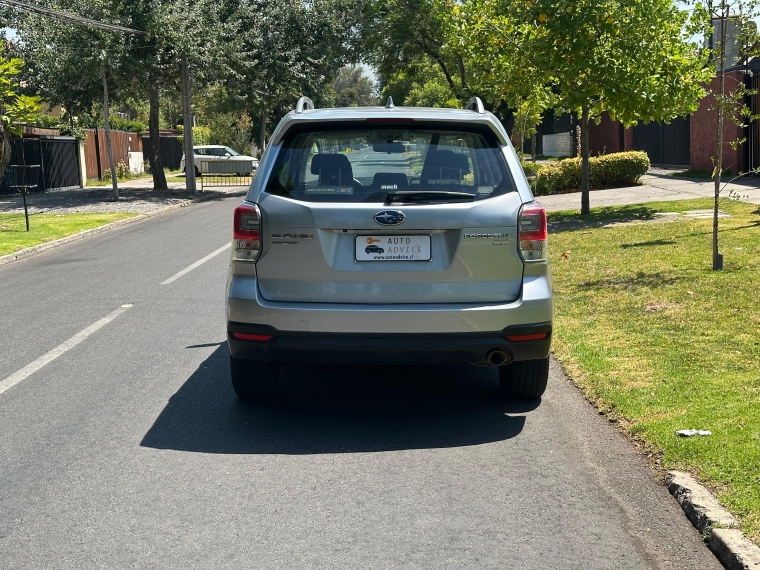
x: 107, y: 129
x: 188, y: 128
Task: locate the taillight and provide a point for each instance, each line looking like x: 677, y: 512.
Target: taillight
x: 532, y: 233
x: 246, y: 233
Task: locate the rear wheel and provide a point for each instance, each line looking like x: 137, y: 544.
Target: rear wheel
x: 253, y: 380
x: 525, y: 379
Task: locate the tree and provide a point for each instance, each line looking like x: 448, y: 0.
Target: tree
x: 397, y: 34
x: 288, y: 48
x: 734, y: 17
x: 99, y: 50
x: 353, y: 88
x: 15, y: 108
x: 630, y: 58
x: 73, y: 66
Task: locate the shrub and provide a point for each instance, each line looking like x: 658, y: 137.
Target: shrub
x: 618, y: 169
x: 530, y: 168
x: 122, y: 172
x: 201, y: 136
x: 117, y: 124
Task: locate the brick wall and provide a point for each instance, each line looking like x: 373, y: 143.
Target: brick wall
x: 604, y: 138
x: 704, y: 126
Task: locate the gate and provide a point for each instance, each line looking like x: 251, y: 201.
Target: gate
x: 57, y: 157
x: 60, y: 163
x: 665, y: 143
x: 170, y: 149
x: 225, y: 173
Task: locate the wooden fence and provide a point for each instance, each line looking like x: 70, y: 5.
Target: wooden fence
x: 96, y: 157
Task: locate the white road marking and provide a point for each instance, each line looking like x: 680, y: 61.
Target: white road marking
x: 196, y: 264
x: 33, y: 367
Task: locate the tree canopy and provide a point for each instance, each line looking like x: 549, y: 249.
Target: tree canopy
x: 630, y: 58
x: 353, y: 88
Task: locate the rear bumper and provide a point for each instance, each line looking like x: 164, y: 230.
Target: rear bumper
x: 289, y: 347
x: 535, y: 304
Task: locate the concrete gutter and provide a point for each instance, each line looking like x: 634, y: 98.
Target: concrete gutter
x: 34, y: 250
x: 717, y: 525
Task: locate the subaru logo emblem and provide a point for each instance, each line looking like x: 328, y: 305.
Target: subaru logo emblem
x: 390, y: 217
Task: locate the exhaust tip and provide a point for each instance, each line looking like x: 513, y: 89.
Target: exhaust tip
x: 496, y: 358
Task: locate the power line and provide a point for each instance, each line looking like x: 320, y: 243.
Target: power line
x: 71, y: 17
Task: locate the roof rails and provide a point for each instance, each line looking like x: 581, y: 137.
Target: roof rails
x: 475, y: 104
x: 304, y: 104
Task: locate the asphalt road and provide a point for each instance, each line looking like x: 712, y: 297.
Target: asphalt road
x: 130, y: 450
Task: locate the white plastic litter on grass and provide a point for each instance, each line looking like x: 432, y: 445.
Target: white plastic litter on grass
x: 691, y: 432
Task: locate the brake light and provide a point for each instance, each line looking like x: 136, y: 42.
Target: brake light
x: 532, y: 231
x: 388, y: 120
x: 246, y: 233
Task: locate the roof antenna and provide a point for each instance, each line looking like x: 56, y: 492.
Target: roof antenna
x: 389, y: 104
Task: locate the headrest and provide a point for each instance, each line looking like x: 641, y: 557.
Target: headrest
x: 448, y: 159
x: 331, y: 163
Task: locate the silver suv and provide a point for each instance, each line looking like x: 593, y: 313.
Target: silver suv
x: 389, y: 235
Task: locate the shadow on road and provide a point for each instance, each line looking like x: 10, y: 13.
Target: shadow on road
x: 338, y: 409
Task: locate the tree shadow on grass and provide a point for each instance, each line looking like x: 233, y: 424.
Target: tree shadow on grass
x: 653, y: 242
x: 599, y: 217
x: 336, y: 409
x: 641, y: 279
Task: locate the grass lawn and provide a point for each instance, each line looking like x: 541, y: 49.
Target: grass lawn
x: 660, y: 342
x: 691, y: 173
x: 47, y: 227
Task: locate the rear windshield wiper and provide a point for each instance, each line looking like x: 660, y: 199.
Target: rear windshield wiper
x: 427, y: 196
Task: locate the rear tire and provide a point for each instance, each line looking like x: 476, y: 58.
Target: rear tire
x: 525, y: 379
x: 253, y: 380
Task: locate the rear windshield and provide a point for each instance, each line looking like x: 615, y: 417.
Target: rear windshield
x: 366, y: 164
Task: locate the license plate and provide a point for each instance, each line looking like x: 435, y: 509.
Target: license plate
x: 393, y: 248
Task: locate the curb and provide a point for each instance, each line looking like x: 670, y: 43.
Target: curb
x: 30, y: 251
x: 729, y: 544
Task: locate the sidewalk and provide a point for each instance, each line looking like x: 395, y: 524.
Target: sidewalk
x: 134, y: 196
x: 656, y: 186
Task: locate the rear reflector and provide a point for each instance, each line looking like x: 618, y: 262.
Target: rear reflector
x: 256, y: 337
x: 533, y: 230
x: 527, y: 337
x: 246, y: 233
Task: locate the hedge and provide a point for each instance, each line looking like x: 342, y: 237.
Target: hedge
x: 617, y: 169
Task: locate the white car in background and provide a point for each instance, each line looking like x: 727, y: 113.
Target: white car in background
x: 219, y: 159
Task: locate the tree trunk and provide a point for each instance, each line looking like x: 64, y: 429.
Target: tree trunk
x: 263, y: 133
x: 107, y: 130
x: 462, y: 75
x: 585, y: 171
x: 533, y: 146
x: 717, y: 259
x: 187, y: 120
x: 5, y: 148
x: 154, y: 153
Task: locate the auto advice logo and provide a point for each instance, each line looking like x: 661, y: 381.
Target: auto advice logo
x: 390, y: 218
